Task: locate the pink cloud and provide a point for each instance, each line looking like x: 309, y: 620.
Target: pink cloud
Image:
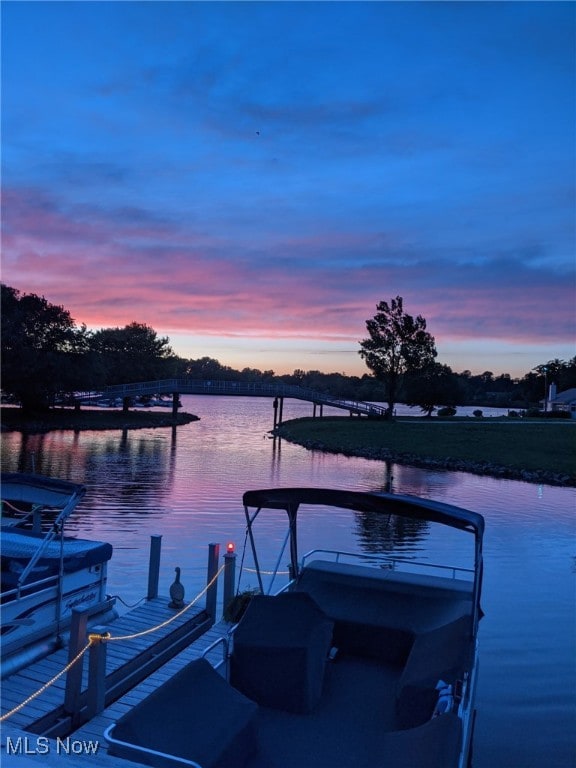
x: 109, y: 268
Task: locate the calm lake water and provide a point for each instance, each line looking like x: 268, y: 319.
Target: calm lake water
x: 187, y: 485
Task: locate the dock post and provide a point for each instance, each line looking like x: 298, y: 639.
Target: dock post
x: 96, y: 676
x: 154, y: 566
x: 212, y: 593
x: 78, y: 629
x: 275, y: 406
x: 229, y: 577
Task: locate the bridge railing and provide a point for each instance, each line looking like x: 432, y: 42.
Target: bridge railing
x: 250, y: 388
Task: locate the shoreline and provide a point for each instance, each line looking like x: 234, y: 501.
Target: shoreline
x: 68, y: 419
x: 486, y: 468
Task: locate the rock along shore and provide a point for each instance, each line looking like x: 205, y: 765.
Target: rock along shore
x: 447, y: 463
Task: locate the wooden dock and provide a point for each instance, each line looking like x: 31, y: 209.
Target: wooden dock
x: 22, y: 733
x: 94, y: 730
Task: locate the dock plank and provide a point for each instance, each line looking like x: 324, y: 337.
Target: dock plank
x: 30, y: 680
x: 96, y: 727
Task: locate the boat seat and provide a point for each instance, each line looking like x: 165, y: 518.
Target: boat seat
x: 195, y: 716
x: 441, y: 654
x: 280, y: 651
x: 379, y: 613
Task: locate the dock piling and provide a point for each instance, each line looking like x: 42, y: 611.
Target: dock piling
x: 96, y: 676
x: 212, y: 593
x: 229, y: 577
x: 154, y: 566
x: 78, y: 630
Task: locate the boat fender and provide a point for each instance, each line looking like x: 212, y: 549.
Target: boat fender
x: 445, y: 698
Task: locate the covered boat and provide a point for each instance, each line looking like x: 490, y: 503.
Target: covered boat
x: 45, y: 574
x: 358, y: 660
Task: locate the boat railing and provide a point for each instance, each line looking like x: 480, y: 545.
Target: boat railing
x: 20, y: 517
x: 56, y: 531
x: 225, y: 642
x: 392, y: 562
x: 21, y: 589
x: 153, y: 756
x: 49, y: 537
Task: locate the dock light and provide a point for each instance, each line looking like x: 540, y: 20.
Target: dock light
x: 230, y: 548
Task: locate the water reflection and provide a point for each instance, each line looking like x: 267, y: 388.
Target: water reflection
x: 389, y: 534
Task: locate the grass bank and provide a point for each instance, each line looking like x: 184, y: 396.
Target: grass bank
x: 14, y: 420
x: 534, y: 451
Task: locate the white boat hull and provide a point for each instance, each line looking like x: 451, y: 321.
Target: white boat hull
x: 45, y: 575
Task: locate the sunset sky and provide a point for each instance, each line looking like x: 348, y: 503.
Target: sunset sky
x: 251, y: 179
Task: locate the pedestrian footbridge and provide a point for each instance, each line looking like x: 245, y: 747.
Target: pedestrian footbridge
x: 186, y: 386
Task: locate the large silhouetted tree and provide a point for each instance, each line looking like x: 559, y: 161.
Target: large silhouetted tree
x: 432, y: 386
x: 133, y: 353
x: 397, y: 344
x: 43, y: 351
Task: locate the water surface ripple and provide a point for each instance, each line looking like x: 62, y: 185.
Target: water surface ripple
x: 187, y: 485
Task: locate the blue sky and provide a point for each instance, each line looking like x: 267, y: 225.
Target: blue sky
x: 251, y: 179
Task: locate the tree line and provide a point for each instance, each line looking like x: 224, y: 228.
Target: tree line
x: 46, y: 357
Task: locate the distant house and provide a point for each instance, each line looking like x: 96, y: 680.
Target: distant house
x: 563, y: 401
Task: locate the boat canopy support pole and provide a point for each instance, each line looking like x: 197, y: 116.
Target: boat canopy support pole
x: 249, y: 522
x: 280, y: 556
x: 478, y: 576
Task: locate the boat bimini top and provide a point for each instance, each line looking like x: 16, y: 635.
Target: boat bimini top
x: 290, y: 500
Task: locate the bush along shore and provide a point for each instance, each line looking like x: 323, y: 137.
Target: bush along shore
x: 531, y: 452
x: 16, y: 420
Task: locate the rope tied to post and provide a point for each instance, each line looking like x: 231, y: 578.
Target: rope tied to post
x: 106, y: 637
x: 47, y: 685
x: 165, y: 623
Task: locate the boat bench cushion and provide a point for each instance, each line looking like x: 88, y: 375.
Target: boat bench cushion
x: 280, y: 651
x: 441, y: 654
x: 355, y: 603
x: 379, y: 613
x: 196, y: 715
x: 435, y: 744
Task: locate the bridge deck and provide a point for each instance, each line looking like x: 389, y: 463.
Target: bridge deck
x: 185, y: 386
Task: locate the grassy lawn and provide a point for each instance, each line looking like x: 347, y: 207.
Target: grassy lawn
x: 521, y: 445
